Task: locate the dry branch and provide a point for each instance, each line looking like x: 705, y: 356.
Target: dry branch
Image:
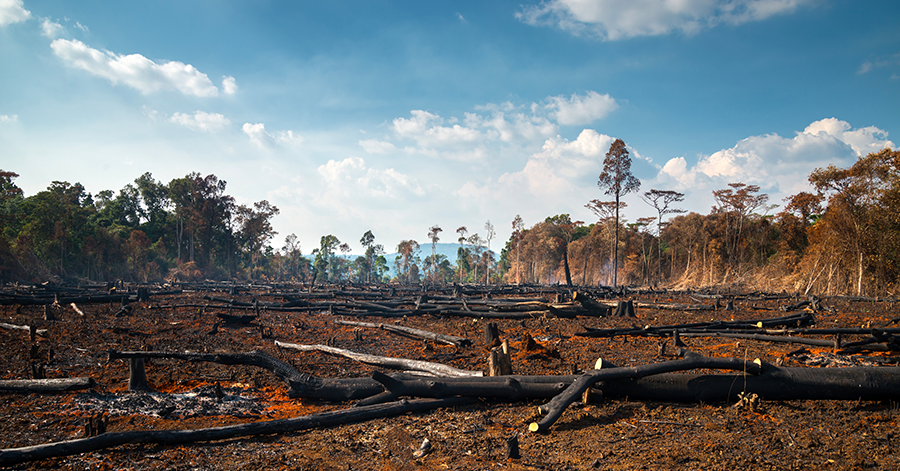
x: 26, y: 328
x: 436, y: 369
x: 409, y: 331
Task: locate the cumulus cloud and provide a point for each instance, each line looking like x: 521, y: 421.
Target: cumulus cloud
x: 201, y: 121
x: 618, y: 19
x: 778, y: 163
x: 492, y: 124
x: 581, y: 109
x: 229, y: 87
x: 135, y: 70
x: 427, y: 129
x: 863, y: 140
x: 50, y: 28
x: 351, y: 178
x: 8, y: 118
x: 266, y: 140
x: 557, y: 172
x: 12, y: 11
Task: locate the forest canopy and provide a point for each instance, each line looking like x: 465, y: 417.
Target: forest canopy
x: 843, y: 237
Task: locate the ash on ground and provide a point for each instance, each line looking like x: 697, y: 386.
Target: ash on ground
x: 211, y: 400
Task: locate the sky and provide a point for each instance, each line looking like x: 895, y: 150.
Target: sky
x: 395, y: 116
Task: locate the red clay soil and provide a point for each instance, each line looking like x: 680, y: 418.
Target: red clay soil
x: 612, y: 434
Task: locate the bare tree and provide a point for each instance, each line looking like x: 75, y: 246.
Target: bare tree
x: 489, y: 235
x: 660, y: 200
x: 618, y: 181
x: 461, y: 252
x: 605, y: 212
x: 737, y: 203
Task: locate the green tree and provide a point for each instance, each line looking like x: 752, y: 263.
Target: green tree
x: 372, y: 252
x: 324, y: 255
x: 255, y: 228
x: 433, y: 235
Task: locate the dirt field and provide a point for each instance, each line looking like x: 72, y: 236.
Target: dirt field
x: 612, y: 434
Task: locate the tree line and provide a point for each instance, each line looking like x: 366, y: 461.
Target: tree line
x: 842, y: 238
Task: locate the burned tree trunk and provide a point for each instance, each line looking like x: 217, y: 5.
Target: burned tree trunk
x: 11, y: 456
x: 45, y: 385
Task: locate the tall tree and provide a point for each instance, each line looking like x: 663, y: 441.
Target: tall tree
x: 563, y: 230
x: 292, y: 253
x: 737, y: 203
x: 661, y: 200
x: 155, y: 199
x: 462, y: 255
x: 518, y: 226
x: 433, y: 235
x: 606, y: 215
x: 255, y: 228
x: 617, y: 180
x: 324, y: 255
x: 489, y: 234
x: 373, y: 251
x: 408, y: 250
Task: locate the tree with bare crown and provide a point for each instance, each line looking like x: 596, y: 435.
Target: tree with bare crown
x: 617, y: 180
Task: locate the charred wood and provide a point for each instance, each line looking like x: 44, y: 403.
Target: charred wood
x: 11, y: 456
x: 45, y: 385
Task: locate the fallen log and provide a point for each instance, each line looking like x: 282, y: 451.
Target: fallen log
x: 11, y: 456
x: 436, y: 369
x: 804, y: 318
x: 299, y: 384
x: 26, y: 328
x: 560, y: 402
x: 762, y: 338
x: 411, y: 332
x: 45, y: 385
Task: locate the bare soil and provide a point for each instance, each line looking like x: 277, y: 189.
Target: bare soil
x: 612, y: 434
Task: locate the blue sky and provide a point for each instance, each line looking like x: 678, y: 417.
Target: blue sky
x: 395, y: 116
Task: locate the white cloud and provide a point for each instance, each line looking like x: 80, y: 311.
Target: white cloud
x: 8, y: 119
x: 229, y: 87
x: 201, y: 121
x: 374, y: 146
x: 891, y: 61
x: 506, y: 122
x: 12, y: 11
x: 81, y: 27
x: 863, y: 140
x: 427, y: 129
x: 618, y: 19
x: 135, y: 70
x: 50, y: 28
x: 561, y: 170
x: 776, y: 163
x: 581, y: 109
x: 266, y: 140
x: 350, y: 179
